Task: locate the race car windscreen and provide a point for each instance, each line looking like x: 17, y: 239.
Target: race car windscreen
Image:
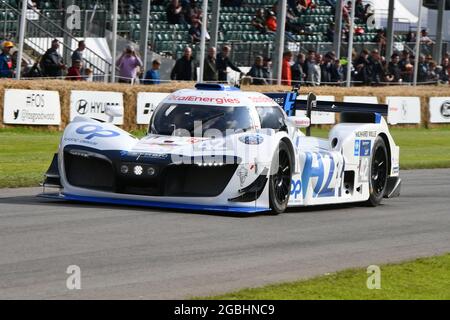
x: 170, y: 117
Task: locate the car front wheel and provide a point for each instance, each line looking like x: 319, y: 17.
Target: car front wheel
x: 280, y: 179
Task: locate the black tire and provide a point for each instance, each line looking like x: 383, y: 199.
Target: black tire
x: 280, y: 179
x: 378, y: 173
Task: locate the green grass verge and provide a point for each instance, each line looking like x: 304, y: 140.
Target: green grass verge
x: 25, y: 154
x: 426, y: 278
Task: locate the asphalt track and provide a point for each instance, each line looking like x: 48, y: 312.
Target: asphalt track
x: 139, y: 253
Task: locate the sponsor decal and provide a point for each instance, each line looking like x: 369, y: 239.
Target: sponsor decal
x: 139, y: 155
x: 251, y: 139
x: 214, y: 100
x: 37, y: 107
x: 445, y: 109
x: 242, y: 173
x: 364, y: 169
x: 366, y: 134
x: 356, y: 149
x: 318, y: 171
x: 403, y: 110
x: 296, y: 188
x: 364, y: 148
x: 93, y: 104
x: 147, y: 103
x: 439, y: 108
x: 93, y: 131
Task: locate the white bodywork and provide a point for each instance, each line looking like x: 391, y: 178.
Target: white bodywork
x: 318, y: 176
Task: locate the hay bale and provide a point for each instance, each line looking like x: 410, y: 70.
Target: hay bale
x: 130, y: 94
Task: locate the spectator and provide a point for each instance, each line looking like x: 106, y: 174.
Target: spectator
x: 223, y: 62
x: 184, y: 68
x: 337, y: 73
x: 312, y: 69
x: 6, y: 63
x: 257, y: 72
x: 152, y: 76
x: 128, y: 64
x: 380, y: 38
x: 306, y: 4
x: 445, y: 71
x: 424, y: 38
x: 78, y: 53
x: 195, y: 32
x: 267, y: 68
x: 411, y: 37
x: 210, y: 70
x: 174, y: 13
x: 422, y: 72
x: 360, y: 11
x: 433, y: 72
x: 88, y: 75
x: 346, y: 10
x: 192, y: 11
x: 259, y: 22
x: 376, y: 67
x: 298, y: 76
x: 394, y: 73
x: 74, y: 72
x: 404, y: 66
x: 286, y: 75
x: 330, y: 32
x: 326, y: 68
x: 362, y: 69
x: 271, y: 22
x: 52, y: 62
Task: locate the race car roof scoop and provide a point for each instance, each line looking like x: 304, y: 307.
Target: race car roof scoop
x: 215, y: 87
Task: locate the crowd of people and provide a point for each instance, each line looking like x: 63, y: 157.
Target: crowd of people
x: 50, y: 65
x: 367, y: 69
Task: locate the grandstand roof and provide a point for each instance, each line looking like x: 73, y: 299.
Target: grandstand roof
x: 401, y: 13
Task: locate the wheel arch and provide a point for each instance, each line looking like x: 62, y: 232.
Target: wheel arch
x: 291, y: 149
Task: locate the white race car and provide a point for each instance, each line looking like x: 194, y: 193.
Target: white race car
x: 219, y: 148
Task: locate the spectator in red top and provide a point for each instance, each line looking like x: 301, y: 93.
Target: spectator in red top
x: 286, y: 75
x: 74, y: 72
x: 271, y: 21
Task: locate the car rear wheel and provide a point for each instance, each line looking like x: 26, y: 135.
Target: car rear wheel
x: 378, y: 173
x: 280, y: 179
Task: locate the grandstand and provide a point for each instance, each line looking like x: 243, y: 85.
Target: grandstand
x: 169, y: 39
x: 313, y: 30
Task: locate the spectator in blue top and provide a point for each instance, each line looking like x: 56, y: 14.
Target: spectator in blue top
x: 6, y: 63
x: 152, y: 76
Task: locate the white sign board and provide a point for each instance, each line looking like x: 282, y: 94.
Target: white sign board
x: 92, y: 104
x: 31, y: 107
x: 319, y: 117
x: 361, y: 99
x: 403, y: 110
x: 440, y: 110
x: 146, y: 104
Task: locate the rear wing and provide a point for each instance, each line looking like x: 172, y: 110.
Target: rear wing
x: 288, y: 101
x: 349, y: 111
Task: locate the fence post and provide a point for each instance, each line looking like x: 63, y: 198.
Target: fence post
x: 23, y: 25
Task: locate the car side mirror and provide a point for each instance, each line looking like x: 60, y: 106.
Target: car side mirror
x: 113, y: 112
x: 299, y: 121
